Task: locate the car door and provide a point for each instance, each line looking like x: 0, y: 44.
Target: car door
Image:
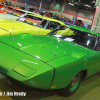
x: 93, y: 60
x: 98, y: 54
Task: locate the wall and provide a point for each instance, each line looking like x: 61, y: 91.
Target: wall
x: 88, y: 15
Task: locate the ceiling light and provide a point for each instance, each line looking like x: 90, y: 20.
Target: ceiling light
x: 93, y: 2
x: 88, y: 5
x: 71, y: 4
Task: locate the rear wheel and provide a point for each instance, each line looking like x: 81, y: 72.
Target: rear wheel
x: 73, y: 86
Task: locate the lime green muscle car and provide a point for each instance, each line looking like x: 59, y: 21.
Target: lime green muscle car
x: 8, y: 17
x: 52, y: 61
x: 44, y: 23
x: 16, y: 27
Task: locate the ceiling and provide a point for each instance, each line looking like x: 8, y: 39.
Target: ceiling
x: 81, y: 4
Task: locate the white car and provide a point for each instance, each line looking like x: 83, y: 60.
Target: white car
x: 18, y: 12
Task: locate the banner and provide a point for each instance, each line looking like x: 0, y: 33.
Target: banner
x: 1, y: 0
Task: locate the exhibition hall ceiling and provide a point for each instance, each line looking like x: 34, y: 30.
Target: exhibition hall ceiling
x: 81, y: 4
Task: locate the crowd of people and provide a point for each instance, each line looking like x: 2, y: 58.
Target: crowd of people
x: 55, y: 16
x: 78, y: 23
x: 47, y: 14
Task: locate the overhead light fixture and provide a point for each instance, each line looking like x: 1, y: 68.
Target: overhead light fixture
x: 93, y: 1
x: 88, y: 5
x: 71, y: 4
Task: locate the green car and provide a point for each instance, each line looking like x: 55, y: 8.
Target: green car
x: 53, y: 61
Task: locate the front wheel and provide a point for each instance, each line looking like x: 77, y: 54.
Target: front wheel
x: 73, y: 86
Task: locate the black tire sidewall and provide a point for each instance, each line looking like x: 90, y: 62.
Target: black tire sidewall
x: 66, y: 91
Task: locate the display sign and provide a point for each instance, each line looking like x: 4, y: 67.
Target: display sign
x: 1, y: 0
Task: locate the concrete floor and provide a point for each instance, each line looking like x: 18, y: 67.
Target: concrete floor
x: 88, y: 90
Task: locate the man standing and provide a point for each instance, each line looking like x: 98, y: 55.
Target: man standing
x: 55, y: 16
x: 47, y: 14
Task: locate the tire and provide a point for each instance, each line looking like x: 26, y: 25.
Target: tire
x: 73, y: 86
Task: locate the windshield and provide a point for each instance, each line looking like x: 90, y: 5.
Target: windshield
x: 75, y: 36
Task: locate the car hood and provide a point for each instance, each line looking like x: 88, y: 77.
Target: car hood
x: 45, y: 48
x: 15, y: 27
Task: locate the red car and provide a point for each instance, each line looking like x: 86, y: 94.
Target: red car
x: 1, y: 11
x: 9, y: 8
x: 1, y: 5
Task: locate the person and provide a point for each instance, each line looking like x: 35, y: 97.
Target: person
x: 34, y: 11
x: 76, y: 22
x: 73, y: 21
x: 23, y: 7
x: 47, y: 14
x: 51, y: 14
x: 55, y: 16
x: 17, y: 6
x: 81, y: 24
x: 41, y: 13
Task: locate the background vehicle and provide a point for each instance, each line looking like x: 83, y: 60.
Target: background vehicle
x: 33, y: 10
x: 1, y: 5
x: 4, y: 12
x: 18, y: 12
x: 9, y: 8
x: 66, y: 21
x: 4, y: 15
x: 15, y: 27
x: 44, y: 23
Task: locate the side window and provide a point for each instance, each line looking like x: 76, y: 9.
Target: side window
x: 62, y: 28
x: 37, y: 18
x: 26, y: 16
x: 30, y: 16
x: 98, y: 45
x: 43, y: 23
x: 47, y: 25
x: 53, y: 25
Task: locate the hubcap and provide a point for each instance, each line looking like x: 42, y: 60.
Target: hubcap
x: 75, y: 82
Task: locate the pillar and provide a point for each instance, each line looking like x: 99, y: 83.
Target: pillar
x: 96, y: 19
